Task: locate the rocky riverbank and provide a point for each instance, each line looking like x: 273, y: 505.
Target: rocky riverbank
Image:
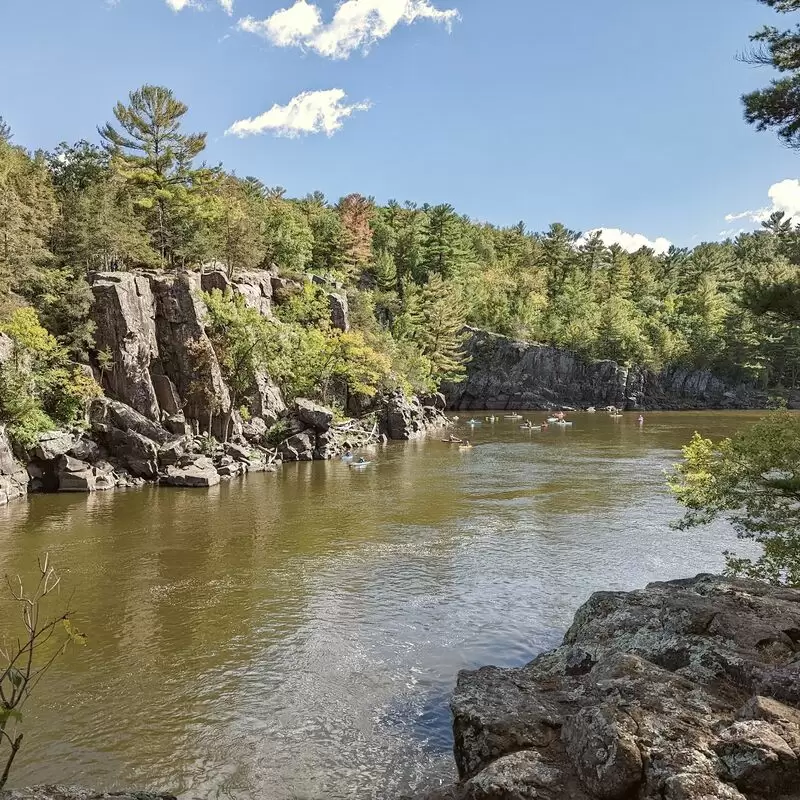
x: 121, y: 448
x: 685, y: 690
x: 168, y: 415
x: 506, y: 374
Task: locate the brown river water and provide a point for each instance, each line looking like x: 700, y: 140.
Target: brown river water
x: 296, y: 635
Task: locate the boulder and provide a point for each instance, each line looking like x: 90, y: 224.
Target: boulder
x: 255, y: 429
x: 265, y: 399
x: 52, y: 444
x: 13, y: 475
x: 686, y: 690
x: 110, y: 413
x: 199, y: 474
x: 73, y: 475
x: 406, y: 418
x: 313, y: 415
x: 299, y: 447
x: 340, y: 311
x: 237, y: 452
x: 172, y: 452
x: 85, y: 449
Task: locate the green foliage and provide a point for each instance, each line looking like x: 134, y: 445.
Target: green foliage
x: 438, y: 328
x: 777, y: 107
x: 39, y: 387
x: 752, y: 479
x: 154, y: 157
x: 245, y: 342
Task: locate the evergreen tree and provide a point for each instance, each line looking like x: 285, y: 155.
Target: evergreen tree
x: 151, y: 152
x: 444, y: 253
x: 439, y: 331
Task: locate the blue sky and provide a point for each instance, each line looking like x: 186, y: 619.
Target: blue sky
x: 596, y: 113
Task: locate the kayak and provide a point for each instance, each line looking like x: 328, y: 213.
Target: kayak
x: 360, y: 464
x: 615, y: 416
x: 565, y: 424
x: 514, y: 416
x: 452, y: 441
x: 347, y: 458
x: 474, y: 422
x: 465, y: 447
x: 552, y: 419
x: 531, y: 427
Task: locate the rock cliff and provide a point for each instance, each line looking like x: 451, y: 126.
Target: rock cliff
x: 506, y: 374
x: 685, y: 690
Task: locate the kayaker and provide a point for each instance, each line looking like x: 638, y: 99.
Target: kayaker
x: 361, y: 460
x: 641, y: 419
x: 348, y: 453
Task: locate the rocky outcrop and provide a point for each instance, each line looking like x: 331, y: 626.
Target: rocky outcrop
x: 506, y: 374
x: 403, y: 417
x: 314, y: 436
x: 684, y: 690
x: 340, y: 311
x: 151, y: 328
x: 124, y: 315
x: 13, y: 475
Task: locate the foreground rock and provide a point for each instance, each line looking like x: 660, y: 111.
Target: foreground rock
x: 13, y: 475
x: 681, y: 691
x: 59, y: 792
x: 503, y: 373
x: 405, y: 417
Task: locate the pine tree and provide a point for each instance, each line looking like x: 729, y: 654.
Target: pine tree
x: 439, y: 331
x: 444, y: 252
x: 156, y: 158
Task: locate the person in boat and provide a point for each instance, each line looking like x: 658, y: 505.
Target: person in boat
x: 348, y: 453
x: 466, y: 443
x: 361, y: 460
x: 560, y: 415
x: 641, y: 419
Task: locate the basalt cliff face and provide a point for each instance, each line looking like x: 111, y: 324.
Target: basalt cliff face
x: 167, y: 407
x: 686, y: 690
x: 503, y: 373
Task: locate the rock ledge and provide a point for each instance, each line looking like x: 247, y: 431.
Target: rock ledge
x: 683, y: 690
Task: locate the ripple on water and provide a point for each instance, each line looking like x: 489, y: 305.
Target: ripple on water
x: 297, y: 635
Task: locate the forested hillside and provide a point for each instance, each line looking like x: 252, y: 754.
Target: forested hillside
x: 141, y: 197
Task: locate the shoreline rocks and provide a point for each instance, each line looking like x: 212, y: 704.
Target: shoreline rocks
x: 684, y: 690
x: 504, y: 374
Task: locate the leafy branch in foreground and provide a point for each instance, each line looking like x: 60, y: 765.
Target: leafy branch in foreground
x: 25, y: 659
x: 753, y: 480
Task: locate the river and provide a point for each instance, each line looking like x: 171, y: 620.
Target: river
x: 294, y: 636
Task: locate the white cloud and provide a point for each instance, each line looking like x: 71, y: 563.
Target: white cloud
x: 309, y: 112
x: 179, y: 5
x: 631, y: 242
x: 355, y: 25
x: 785, y: 196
